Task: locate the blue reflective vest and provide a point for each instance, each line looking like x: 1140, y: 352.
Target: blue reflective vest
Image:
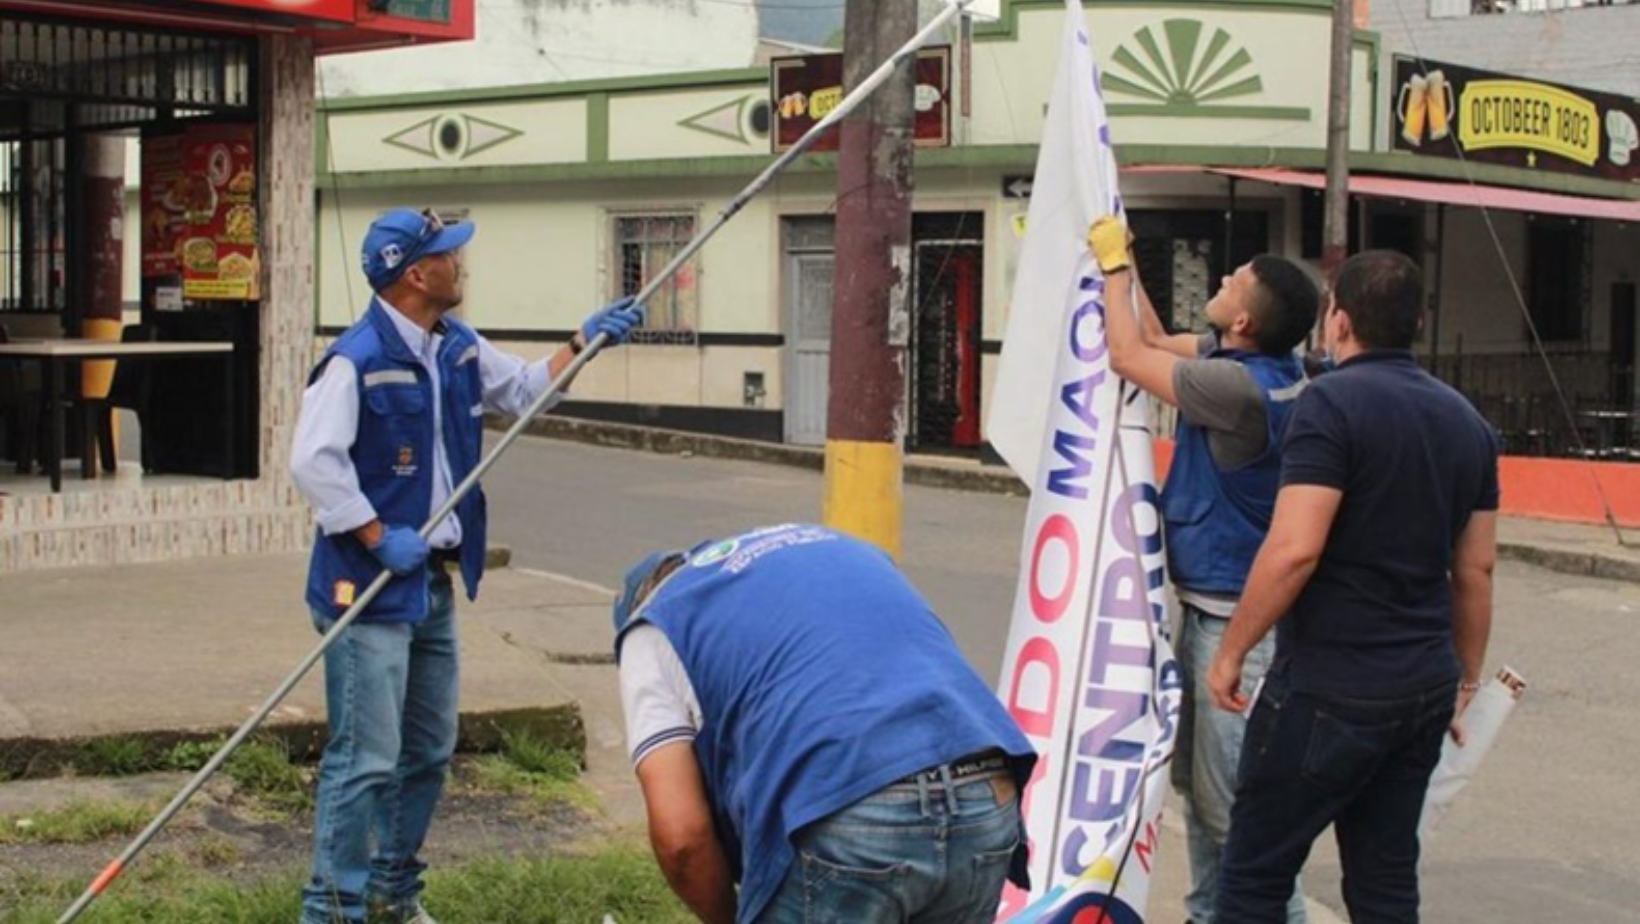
x: 1217, y: 519
x: 393, y: 456
x: 823, y: 676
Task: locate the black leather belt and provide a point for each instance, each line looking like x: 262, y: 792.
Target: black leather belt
x: 986, y: 763
x: 441, y: 559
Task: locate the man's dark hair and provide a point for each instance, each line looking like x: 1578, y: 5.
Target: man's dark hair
x: 1284, y: 310
x: 1383, y: 293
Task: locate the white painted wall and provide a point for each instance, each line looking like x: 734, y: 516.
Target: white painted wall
x: 543, y: 41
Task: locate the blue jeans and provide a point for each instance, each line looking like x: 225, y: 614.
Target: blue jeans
x: 391, y: 694
x: 1361, y: 765
x: 1206, y: 755
x: 920, y: 853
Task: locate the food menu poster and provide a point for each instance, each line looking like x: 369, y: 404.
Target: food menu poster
x: 199, y: 220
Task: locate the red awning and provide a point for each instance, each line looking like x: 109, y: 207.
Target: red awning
x: 1469, y: 195
x: 334, y: 25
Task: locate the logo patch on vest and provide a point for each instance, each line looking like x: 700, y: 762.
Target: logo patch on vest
x: 406, y: 466
x: 716, y: 553
x: 343, y: 595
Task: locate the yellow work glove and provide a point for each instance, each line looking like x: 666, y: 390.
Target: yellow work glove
x: 1109, y: 240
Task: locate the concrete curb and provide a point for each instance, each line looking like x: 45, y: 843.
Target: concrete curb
x: 1587, y: 564
x: 480, y: 732
x: 936, y: 474
x: 497, y: 556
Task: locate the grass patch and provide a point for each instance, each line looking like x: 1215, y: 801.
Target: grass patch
x: 261, y: 767
x: 190, y: 756
x: 530, y: 766
x: 620, y: 880
x: 535, y: 755
x: 80, y: 823
x: 114, y: 757
x: 494, y: 773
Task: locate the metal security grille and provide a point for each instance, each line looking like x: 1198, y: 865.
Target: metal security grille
x: 644, y: 244
x: 62, y: 78
x: 32, y: 226
x: 57, y: 76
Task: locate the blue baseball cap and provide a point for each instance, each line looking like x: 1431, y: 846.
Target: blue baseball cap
x: 399, y: 238
x: 627, y: 601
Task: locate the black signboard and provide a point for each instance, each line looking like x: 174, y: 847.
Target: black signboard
x: 808, y: 88
x: 1447, y: 110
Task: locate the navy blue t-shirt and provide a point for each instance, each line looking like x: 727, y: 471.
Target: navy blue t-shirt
x: 1413, y: 460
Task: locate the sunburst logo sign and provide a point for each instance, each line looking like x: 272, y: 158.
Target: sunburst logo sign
x: 1177, y: 65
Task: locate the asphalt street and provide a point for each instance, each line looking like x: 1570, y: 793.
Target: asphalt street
x: 1546, y: 831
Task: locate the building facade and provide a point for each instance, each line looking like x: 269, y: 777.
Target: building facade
x: 580, y: 190
x: 228, y: 81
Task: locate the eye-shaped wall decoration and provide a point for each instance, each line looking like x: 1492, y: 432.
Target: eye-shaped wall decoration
x: 452, y: 137
x: 745, y: 120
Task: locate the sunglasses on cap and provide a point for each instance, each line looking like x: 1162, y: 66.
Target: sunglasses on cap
x: 431, y: 225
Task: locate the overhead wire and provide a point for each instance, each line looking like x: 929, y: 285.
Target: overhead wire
x: 1520, y: 301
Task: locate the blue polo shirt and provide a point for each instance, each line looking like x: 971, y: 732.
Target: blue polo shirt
x: 1414, y: 460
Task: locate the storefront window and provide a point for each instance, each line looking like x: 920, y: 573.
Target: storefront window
x: 1557, y: 278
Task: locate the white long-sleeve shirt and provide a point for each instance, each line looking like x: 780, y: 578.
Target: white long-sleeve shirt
x: 328, y: 425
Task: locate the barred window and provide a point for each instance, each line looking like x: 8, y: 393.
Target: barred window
x: 644, y: 245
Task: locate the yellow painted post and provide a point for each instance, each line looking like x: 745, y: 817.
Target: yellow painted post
x: 870, y: 318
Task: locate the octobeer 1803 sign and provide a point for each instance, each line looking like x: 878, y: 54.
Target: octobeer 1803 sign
x: 808, y: 88
x: 1451, y: 111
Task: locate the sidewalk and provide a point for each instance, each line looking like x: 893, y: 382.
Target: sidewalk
x: 161, y: 651
x: 192, y: 648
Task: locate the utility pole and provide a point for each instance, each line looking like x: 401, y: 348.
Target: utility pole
x: 865, y: 416
x: 1335, y: 229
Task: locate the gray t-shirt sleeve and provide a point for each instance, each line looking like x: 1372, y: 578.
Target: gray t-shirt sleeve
x: 1220, y: 396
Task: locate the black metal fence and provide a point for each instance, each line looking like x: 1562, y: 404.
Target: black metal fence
x: 1598, y: 418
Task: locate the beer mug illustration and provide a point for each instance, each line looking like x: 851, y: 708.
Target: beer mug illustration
x: 1441, y: 106
x: 1412, y: 107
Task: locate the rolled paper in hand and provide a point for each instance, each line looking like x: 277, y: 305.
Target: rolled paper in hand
x: 1481, y: 723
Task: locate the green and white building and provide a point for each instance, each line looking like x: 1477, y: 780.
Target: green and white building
x: 1219, y: 109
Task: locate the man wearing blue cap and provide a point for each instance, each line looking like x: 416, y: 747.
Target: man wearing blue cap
x: 803, y: 725
x: 391, y: 422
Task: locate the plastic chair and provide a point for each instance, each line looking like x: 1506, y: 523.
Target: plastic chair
x: 129, y: 388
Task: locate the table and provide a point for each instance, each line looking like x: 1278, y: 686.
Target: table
x: 53, y: 355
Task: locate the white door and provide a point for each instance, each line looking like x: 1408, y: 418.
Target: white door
x: 808, y: 346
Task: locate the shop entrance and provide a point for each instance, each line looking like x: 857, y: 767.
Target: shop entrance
x: 1184, y: 255
x: 947, y: 293
x: 75, y: 95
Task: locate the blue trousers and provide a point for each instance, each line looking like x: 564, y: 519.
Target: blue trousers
x: 1310, y: 760
x: 1207, y: 756
x: 391, y: 694
x: 922, y: 853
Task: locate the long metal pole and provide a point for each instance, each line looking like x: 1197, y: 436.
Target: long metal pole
x: 113, y: 870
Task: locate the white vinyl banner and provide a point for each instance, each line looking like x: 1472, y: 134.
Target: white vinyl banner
x: 1089, y: 672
